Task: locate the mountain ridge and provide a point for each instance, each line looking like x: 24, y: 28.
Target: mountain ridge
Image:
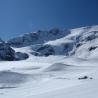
x: 79, y: 42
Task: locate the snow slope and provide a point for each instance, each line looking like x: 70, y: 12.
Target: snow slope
x: 28, y: 79
x: 59, y: 75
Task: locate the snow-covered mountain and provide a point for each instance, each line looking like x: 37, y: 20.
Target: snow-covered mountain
x: 80, y: 42
x: 51, y: 64
x: 38, y: 37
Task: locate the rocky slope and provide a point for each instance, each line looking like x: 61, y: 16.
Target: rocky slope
x: 8, y: 54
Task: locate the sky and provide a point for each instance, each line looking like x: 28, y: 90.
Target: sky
x: 21, y: 16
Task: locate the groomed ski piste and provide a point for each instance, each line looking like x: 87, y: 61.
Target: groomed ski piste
x: 62, y: 75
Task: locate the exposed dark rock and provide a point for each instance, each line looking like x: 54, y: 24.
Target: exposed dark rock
x: 78, y: 45
x: 84, y: 77
x: 92, y: 48
x: 45, y: 50
x: 21, y: 56
x: 6, y: 52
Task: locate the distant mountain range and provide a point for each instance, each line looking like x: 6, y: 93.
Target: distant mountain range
x: 80, y: 42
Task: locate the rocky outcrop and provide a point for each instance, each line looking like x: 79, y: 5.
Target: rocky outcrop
x: 45, y: 50
x: 6, y: 52
x: 9, y: 54
x: 21, y: 56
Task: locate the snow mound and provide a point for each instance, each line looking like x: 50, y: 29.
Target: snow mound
x: 56, y: 67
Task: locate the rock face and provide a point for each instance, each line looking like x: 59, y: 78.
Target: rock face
x: 38, y: 37
x: 21, y: 56
x: 45, y: 50
x: 24, y: 40
x: 6, y: 52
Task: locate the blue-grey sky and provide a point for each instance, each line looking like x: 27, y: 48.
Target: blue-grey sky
x: 22, y: 16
